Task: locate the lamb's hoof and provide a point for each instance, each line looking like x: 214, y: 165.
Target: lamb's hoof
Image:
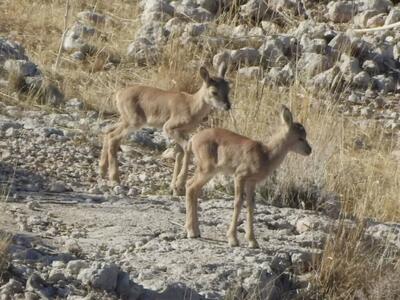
x: 233, y: 242
x: 103, y: 172
x: 176, y: 192
x: 193, y: 234
x: 114, y: 183
x: 253, y: 244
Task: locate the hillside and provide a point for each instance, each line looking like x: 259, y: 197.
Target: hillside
x: 328, y: 225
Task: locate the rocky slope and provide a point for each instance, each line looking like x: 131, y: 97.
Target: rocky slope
x: 77, y: 238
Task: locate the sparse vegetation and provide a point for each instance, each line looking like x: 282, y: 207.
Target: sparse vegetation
x: 353, y: 163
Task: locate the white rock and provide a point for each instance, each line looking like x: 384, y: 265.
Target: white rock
x: 376, y: 21
x: 361, y: 19
x: 74, y: 266
x: 394, y: 16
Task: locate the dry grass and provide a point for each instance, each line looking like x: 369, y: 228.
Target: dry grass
x: 365, y: 178
x: 5, y: 240
x: 355, y: 267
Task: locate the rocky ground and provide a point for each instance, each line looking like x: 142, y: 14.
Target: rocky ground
x: 77, y: 238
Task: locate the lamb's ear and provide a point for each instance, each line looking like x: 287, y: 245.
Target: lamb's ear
x: 204, y: 74
x: 286, y: 116
x: 222, y: 69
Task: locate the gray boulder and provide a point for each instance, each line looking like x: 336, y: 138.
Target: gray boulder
x: 382, y: 6
x: 280, y: 76
x: 12, y: 287
x: 272, y: 53
x: 157, y: 6
x: 175, y: 26
x: 327, y: 80
x: 104, y: 278
x: 313, y: 29
x: 22, y: 67
x: 74, y: 266
x: 211, y: 5
x: 143, y: 52
x: 11, y: 50
x: 198, y: 14
x: 153, y: 31
x: 250, y: 72
x: 340, y: 42
x: 93, y: 17
x: 349, y: 66
x: 371, y: 67
x: 311, y: 64
x: 77, y: 37
x: 195, y: 29
x: 126, y: 289
x: 254, y: 9
x: 341, y: 11
x: 362, y: 80
x: 315, y: 45
x: 247, y: 56
x: 384, y: 84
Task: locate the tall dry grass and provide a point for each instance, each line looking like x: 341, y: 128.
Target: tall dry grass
x: 5, y: 240
x: 350, y: 161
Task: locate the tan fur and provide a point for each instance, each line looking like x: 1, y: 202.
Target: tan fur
x: 178, y: 113
x: 219, y: 150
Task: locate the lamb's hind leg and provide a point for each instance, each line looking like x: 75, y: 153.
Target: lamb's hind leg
x: 232, y: 232
x: 250, y: 237
x: 114, y: 141
x: 177, y: 168
x: 103, y: 163
x: 181, y: 179
x: 193, y: 189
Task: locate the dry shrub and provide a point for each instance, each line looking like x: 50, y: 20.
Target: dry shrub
x: 355, y: 267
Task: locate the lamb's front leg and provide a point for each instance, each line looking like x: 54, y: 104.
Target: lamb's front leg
x: 232, y: 232
x: 250, y: 237
x: 177, y: 168
x: 182, y: 177
x: 175, y: 133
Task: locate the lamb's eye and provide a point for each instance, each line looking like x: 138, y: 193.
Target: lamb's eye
x: 215, y: 93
